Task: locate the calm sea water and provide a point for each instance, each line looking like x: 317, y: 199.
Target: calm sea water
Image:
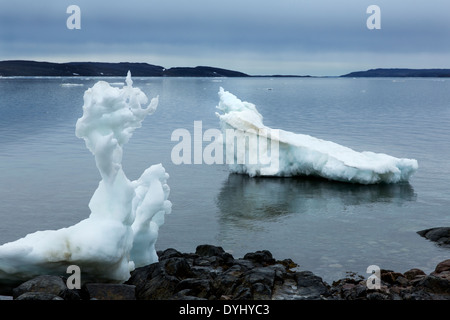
x: 47, y: 175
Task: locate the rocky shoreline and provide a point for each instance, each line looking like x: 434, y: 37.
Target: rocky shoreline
x: 213, y: 274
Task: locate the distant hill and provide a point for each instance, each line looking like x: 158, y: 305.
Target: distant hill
x: 201, y: 72
x: 10, y: 68
x: 99, y: 69
x: 400, y: 73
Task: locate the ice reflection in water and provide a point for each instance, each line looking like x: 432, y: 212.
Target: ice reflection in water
x: 243, y: 199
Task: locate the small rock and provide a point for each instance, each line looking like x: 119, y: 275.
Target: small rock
x: 48, y: 284
x: 243, y: 293
x: 280, y: 271
x: 178, y: 267
x: 246, y: 264
x: 109, y: 291
x: 152, y: 282
x: 402, y: 281
x: 261, y: 275
x: 310, y: 286
x: 414, y: 274
x: 261, y: 291
x: 440, y: 235
x: 202, y: 262
x: 351, y: 291
x: 288, y: 263
x: 390, y: 276
x: 377, y: 296
x: 224, y: 283
x: 186, y: 295
x: 200, y: 288
x: 206, y: 250
x: 435, y: 284
x: 263, y: 257
x: 38, y: 296
x: 442, y: 267
x: 169, y: 253
x: 286, y: 290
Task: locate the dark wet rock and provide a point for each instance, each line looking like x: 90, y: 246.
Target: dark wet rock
x: 177, y: 266
x: 186, y: 294
x: 261, y: 291
x: 169, y: 253
x: 260, y: 275
x: 38, y: 296
x: 200, y: 288
x: 260, y: 281
x: 244, y: 264
x: 152, y: 282
x: 443, y: 268
x: 206, y: 250
x: 435, y: 284
x: 440, y: 235
x: 261, y: 257
x: 414, y: 274
x: 300, y: 285
x: 242, y: 293
x: 212, y: 255
x: 390, y: 276
x: 378, y: 296
x: 310, y: 286
x: 46, y: 284
x: 225, y: 283
x: 108, y: 291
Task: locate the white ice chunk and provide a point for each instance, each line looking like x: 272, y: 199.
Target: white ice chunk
x: 122, y: 229
x: 300, y: 154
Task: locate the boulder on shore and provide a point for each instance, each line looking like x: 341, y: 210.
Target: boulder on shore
x: 440, y: 235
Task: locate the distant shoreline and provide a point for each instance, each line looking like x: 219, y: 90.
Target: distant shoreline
x: 400, y: 73
x: 28, y: 68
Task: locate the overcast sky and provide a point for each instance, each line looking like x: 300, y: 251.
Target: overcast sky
x: 321, y: 37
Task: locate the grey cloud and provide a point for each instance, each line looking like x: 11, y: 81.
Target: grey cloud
x: 269, y: 28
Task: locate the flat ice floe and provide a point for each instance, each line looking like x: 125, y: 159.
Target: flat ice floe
x: 120, y: 233
x: 293, y: 154
x: 68, y: 85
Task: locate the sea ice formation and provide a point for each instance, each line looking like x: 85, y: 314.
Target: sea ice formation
x: 120, y: 233
x: 299, y: 154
